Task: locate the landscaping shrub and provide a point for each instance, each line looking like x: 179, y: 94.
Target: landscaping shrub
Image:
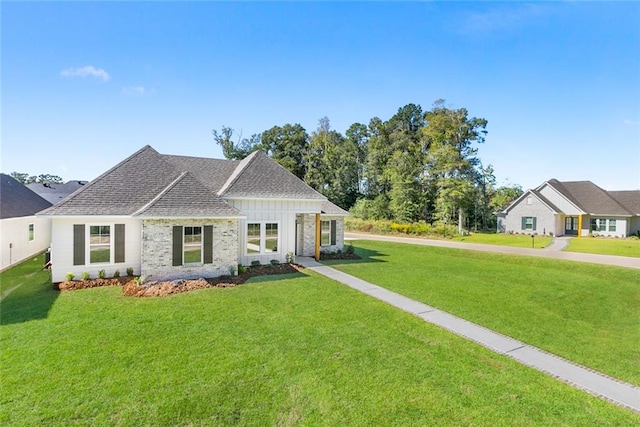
x: 70, y: 276
x: 116, y: 274
x: 255, y: 263
x: 129, y: 271
x: 102, y: 274
x: 86, y: 276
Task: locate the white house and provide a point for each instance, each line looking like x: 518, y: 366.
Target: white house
x: 22, y: 234
x: 169, y: 216
x: 578, y: 208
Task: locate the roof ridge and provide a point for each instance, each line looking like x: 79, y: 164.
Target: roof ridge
x: 91, y: 183
x: 242, y: 166
x: 175, y: 182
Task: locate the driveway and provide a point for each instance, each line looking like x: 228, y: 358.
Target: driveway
x: 554, y: 251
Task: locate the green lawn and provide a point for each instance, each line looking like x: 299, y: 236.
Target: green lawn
x: 586, y: 313
x: 291, y: 350
x: 600, y: 245
x: 515, y: 240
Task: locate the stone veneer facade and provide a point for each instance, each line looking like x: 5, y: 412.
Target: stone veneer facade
x: 309, y: 233
x: 157, y: 255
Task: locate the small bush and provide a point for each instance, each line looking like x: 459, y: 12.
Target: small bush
x: 70, y: 276
x: 102, y: 274
x: 274, y: 262
x: 289, y: 257
x: 255, y: 263
x: 348, y: 249
x: 241, y: 269
x: 116, y: 274
x: 232, y: 270
x: 129, y: 271
x: 86, y: 276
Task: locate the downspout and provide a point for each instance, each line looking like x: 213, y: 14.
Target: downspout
x: 317, y: 252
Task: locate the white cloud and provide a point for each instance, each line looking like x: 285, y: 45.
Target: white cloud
x: 136, y: 91
x: 86, y: 71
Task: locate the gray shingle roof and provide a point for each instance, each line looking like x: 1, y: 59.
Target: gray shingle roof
x: 629, y: 199
x: 16, y: 200
x: 55, y: 192
x: 332, y: 209
x: 150, y: 184
x: 187, y: 197
x: 589, y: 197
x: 259, y: 176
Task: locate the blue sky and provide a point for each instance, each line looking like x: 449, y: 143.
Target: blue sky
x: 84, y: 85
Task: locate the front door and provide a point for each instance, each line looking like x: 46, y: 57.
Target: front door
x: 571, y: 225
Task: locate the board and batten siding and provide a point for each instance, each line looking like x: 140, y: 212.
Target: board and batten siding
x: 62, y: 254
x: 568, y: 208
x: 282, y: 212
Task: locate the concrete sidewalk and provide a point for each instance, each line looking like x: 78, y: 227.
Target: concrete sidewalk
x: 598, y: 384
x: 619, y: 261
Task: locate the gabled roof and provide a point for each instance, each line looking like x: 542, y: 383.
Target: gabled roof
x: 536, y: 194
x: 149, y: 184
x: 16, y: 200
x: 55, y: 192
x: 629, y: 199
x: 259, y: 176
x: 187, y: 197
x: 589, y: 197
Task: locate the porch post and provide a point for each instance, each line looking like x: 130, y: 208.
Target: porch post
x: 317, y: 252
x: 579, y: 226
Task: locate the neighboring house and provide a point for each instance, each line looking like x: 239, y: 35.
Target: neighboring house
x: 170, y: 217
x: 578, y: 208
x: 54, y: 193
x: 22, y: 233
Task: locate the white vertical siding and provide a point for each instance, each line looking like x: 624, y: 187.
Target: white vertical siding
x: 282, y: 212
x: 62, y: 247
x: 15, y: 232
x: 560, y: 201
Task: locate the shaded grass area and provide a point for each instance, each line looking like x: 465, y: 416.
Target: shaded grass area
x: 23, y: 293
x: 513, y: 240
x: 288, y: 351
x: 586, y: 313
x: 592, y: 245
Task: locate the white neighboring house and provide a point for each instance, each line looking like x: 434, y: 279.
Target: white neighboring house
x: 23, y: 235
x: 577, y: 208
x: 168, y: 217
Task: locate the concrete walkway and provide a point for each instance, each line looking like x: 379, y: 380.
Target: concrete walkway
x: 598, y: 384
x: 554, y: 251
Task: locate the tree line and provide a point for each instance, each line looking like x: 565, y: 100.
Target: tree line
x: 415, y: 166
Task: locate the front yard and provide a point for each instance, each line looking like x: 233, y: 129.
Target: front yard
x: 606, y: 246
x: 583, y: 312
x: 288, y: 350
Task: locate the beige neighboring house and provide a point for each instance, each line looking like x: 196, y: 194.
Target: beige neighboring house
x: 22, y: 234
x: 577, y: 208
x: 169, y: 217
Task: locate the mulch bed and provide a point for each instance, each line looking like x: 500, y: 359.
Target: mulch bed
x: 130, y: 286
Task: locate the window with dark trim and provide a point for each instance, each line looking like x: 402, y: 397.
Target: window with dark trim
x: 529, y: 223
x: 192, y: 245
x: 327, y: 232
x: 99, y: 244
x: 31, y: 232
x: 262, y: 238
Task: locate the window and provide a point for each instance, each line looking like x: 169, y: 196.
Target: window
x: 325, y: 233
x: 271, y: 237
x: 31, y: 232
x: 192, y: 245
x: 99, y: 244
x: 262, y: 238
x: 253, y: 238
x: 598, y: 224
x: 612, y: 225
x: 529, y: 223
x: 529, y: 200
